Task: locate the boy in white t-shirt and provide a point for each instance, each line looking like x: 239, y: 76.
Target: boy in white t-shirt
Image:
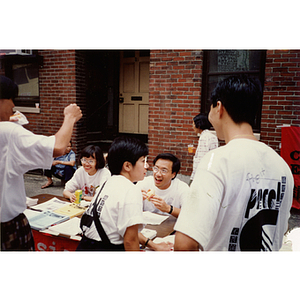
x: 115, y: 215
x: 241, y: 195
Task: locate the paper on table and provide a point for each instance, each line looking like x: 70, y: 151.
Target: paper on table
x: 294, y: 237
x: 70, y: 227
x: 31, y: 202
x: 84, y: 203
x: 149, y: 233
x: 51, y: 205
x: 153, y: 219
x: 46, y: 219
x: 29, y: 213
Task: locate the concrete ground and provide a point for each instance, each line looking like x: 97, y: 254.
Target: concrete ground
x: 33, y: 185
x: 34, y: 182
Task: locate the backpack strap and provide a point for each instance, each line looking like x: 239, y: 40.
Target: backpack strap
x: 98, y: 224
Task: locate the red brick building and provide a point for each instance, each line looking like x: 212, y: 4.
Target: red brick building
x: 151, y: 94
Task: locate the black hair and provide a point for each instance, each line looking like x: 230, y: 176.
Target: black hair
x: 201, y: 121
x: 241, y: 97
x: 172, y: 158
x: 96, y: 152
x: 125, y: 149
x: 8, y: 89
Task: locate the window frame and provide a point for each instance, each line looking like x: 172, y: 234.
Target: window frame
x: 206, y: 74
x: 23, y: 103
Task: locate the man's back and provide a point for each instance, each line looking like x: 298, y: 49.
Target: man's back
x: 242, y: 195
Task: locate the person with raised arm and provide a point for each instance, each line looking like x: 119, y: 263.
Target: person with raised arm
x: 21, y: 151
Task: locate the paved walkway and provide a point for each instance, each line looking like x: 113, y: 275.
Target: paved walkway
x: 33, y: 185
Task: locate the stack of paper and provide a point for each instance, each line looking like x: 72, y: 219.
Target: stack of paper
x: 70, y: 227
x: 50, y: 205
x: 29, y: 213
x: 45, y: 219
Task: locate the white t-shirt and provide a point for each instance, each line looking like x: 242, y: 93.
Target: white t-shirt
x: 174, y: 195
x: 207, y: 141
x: 240, y: 199
x: 81, y: 180
x: 20, y: 151
x: 121, y: 203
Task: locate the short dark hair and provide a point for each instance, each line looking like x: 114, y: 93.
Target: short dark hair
x: 241, y: 97
x: 125, y: 149
x: 201, y: 121
x: 96, y: 152
x: 172, y: 158
x: 8, y: 89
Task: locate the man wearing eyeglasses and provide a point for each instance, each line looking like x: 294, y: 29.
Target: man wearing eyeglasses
x: 169, y: 191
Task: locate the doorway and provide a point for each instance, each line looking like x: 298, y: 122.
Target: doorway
x: 117, y: 95
x: 134, y: 92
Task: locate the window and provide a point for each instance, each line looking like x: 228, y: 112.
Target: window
x: 22, y: 66
x: 219, y: 64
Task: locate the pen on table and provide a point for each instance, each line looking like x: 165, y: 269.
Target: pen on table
x: 36, y: 209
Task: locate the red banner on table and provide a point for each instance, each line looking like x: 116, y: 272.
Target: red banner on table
x: 290, y: 152
x: 48, y: 242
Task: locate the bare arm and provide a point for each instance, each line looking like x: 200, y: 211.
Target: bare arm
x: 131, y: 240
x: 67, y: 194
x: 72, y: 114
x: 153, y: 246
x: 185, y: 243
x: 160, y: 204
x: 66, y: 163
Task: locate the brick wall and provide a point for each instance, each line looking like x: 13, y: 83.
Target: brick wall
x: 281, y: 100
x: 174, y: 99
x: 61, y: 83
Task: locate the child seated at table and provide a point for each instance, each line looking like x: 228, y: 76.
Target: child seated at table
x: 88, y: 178
x: 115, y: 215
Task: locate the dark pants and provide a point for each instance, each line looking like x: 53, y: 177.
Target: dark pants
x: 87, y: 244
x: 68, y: 173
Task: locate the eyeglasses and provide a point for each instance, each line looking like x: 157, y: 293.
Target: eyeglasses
x: 163, y: 171
x: 90, y: 161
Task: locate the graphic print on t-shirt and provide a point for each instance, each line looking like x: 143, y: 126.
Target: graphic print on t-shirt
x: 258, y: 228
x: 88, y: 190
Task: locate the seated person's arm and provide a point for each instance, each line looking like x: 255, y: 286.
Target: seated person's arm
x: 66, y: 163
x: 67, y: 194
x: 131, y: 240
x: 160, y: 204
x: 153, y: 246
x: 175, y: 212
x: 185, y: 243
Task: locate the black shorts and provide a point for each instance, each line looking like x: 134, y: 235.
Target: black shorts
x: 16, y: 235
